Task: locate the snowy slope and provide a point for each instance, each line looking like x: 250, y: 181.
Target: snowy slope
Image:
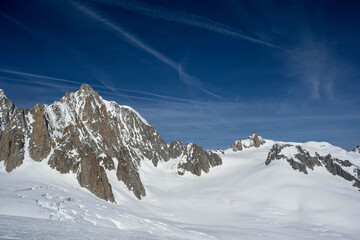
x: 241, y: 199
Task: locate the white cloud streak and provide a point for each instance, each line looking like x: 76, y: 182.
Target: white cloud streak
x: 38, y: 76
x: 186, y: 78
x: 45, y: 84
x: 187, y: 19
x: 113, y: 90
x: 106, y: 85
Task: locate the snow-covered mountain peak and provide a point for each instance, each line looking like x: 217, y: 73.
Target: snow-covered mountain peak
x: 84, y: 134
x: 84, y: 93
x: 252, y: 141
x: 86, y: 89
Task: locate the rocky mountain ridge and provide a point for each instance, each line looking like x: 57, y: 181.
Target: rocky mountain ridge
x: 84, y: 134
x: 87, y: 135
x: 252, y: 141
x: 299, y: 158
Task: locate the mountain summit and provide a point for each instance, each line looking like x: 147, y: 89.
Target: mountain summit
x: 84, y: 134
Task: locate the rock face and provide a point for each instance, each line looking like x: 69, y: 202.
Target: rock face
x: 253, y: 141
x: 12, y: 142
x: 12, y: 125
x: 195, y: 160
x: 127, y: 172
x: 176, y: 149
x: 89, y: 136
x: 301, y: 160
x: 337, y: 166
x: 40, y: 142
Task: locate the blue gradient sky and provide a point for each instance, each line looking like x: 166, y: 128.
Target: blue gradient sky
x: 208, y: 72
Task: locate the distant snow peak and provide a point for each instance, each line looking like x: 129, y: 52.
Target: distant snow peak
x: 252, y: 141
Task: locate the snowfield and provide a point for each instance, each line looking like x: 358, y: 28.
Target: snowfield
x: 241, y: 199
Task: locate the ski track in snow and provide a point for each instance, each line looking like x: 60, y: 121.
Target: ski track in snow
x: 241, y: 199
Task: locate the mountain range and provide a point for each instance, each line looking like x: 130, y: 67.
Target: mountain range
x: 102, y: 146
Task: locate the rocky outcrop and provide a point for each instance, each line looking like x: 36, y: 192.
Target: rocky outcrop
x: 89, y: 136
x: 336, y: 167
x: 295, y: 162
x: 257, y: 140
x: 237, y: 146
x: 176, y: 149
x: 213, y: 158
x: 252, y: 141
x: 305, y: 159
x: 356, y: 149
x: 196, y: 160
x: 275, y: 153
x: 193, y: 158
x: 301, y: 160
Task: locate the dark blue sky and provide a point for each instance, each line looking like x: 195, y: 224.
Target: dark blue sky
x: 208, y: 72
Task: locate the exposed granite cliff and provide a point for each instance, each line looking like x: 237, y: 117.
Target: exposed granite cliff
x: 12, y: 142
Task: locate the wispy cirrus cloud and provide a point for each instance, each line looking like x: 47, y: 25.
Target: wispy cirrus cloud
x: 186, y: 78
x: 317, y: 68
x: 16, y: 22
x: 201, y: 124
x: 19, y: 73
x: 187, y: 19
x: 190, y: 120
x: 33, y: 82
x: 27, y: 78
